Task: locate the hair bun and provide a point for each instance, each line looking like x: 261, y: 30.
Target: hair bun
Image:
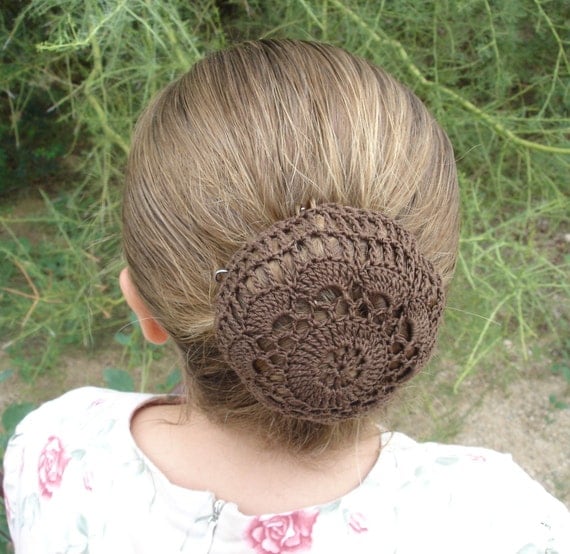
x: 325, y: 313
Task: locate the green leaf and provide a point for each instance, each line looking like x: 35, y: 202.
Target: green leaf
x: 173, y: 379
x: 447, y: 460
x: 82, y: 526
x: 122, y: 338
x: 6, y: 374
x: 562, y: 369
x: 558, y: 404
x: 14, y: 413
x: 119, y: 379
x: 78, y: 454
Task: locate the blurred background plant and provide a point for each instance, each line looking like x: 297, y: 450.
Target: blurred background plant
x: 74, y: 75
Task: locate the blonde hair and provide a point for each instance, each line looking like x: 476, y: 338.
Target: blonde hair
x: 240, y: 142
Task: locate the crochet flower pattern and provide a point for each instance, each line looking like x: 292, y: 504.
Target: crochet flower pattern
x: 51, y: 465
x: 282, y: 534
x: 326, y: 313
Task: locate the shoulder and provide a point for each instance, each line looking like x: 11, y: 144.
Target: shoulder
x: 72, y: 421
x: 443, y: 493
x: 73, y: 417
x: 57, y: 454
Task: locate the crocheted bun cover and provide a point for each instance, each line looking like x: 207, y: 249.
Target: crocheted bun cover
x: 324, y: 314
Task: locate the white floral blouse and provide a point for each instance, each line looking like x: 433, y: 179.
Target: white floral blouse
x: 76, y: 482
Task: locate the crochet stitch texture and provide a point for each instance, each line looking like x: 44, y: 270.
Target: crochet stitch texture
x: 325, y: 313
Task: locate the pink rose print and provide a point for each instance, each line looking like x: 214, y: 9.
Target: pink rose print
x: 51, y: 465
x: 88, y: 481
x: 281, y: 534
x: 357, y: 522
x: 97, y: 402
x: 477, y: 458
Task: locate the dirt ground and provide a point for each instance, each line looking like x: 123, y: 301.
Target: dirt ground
x: 513, y: 416
x: 523, y: 422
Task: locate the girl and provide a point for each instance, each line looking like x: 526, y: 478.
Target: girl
x: 291, y: 222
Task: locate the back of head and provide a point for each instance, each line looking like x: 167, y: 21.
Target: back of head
x: 248, y: 138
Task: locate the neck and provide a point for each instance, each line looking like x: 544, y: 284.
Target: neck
x: 239, y: 466
x: 314, y: 446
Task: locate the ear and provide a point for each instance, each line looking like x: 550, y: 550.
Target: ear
x: 152, y: 330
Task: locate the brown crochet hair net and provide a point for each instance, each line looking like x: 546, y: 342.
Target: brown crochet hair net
x: 324, y: 314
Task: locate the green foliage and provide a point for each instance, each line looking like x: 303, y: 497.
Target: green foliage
x: 495, y: 75
x: 53, y: 283
x: 98, y: 63
x: 173, y: 379
x: 4, y: 533
x: 137, y: 352
x: 6, y: 374
x: 12, y: 415
x: 119, y: 379
x: 558, y: 404
x: 28, y: 153
x: 563, y: 370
